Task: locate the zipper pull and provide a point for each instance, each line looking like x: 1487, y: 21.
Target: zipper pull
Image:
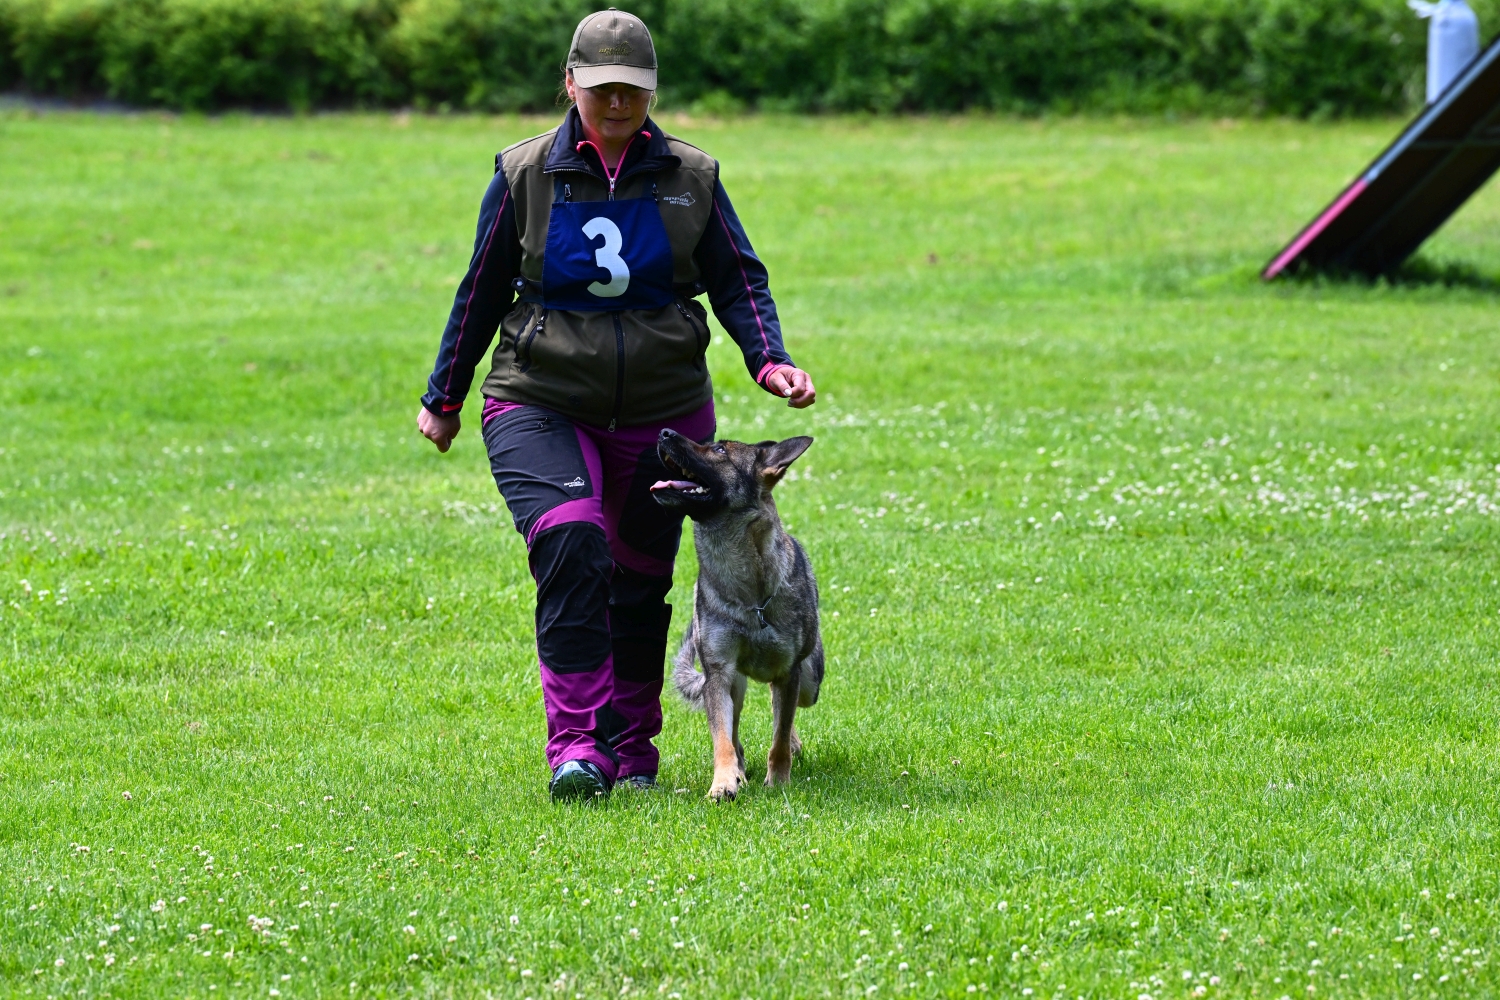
x: 611, y: 425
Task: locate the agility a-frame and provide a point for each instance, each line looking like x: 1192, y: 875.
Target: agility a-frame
x: 1412, y: 188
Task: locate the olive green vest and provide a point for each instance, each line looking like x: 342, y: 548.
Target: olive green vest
x: 623, y: 368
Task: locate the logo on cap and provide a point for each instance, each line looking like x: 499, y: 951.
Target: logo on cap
x: 623, y: 49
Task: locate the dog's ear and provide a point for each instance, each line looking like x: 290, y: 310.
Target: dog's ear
x: 775, y: 456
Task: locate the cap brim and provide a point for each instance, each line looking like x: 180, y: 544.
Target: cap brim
x: 598, y: 76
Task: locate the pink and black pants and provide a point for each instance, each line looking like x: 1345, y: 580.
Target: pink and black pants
x: 601, y: 551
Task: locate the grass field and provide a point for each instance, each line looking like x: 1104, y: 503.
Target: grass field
x: 1161, y: 605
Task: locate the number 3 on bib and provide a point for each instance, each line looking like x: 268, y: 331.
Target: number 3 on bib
x: 608, y: 257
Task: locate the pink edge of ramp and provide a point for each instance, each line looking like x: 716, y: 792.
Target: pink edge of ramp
x: 1311, y: 232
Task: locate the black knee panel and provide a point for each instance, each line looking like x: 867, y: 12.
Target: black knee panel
x: 572, y: 568
x: 639, y: 619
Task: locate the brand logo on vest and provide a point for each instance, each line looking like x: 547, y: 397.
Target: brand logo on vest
x: 681, y: 200
x: 623, y: 49
x: 575, y: 484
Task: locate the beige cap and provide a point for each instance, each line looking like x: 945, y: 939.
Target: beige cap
x: 612, y: 46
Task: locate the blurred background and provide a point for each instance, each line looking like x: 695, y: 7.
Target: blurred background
x: 1297, y: 57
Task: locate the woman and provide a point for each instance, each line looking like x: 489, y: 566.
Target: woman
x: 594, y: 241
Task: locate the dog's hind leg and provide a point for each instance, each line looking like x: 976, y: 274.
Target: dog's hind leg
x: 810, y: 673
x: 720, y: 706
x: 784, y: 742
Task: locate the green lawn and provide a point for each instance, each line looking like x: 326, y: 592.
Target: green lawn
x: 1160, y: 604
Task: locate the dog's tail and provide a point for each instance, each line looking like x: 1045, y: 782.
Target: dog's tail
x: 689, y: 681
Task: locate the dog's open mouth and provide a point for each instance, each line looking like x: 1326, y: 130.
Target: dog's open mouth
x: 677, y: 485
x: 685, y: 486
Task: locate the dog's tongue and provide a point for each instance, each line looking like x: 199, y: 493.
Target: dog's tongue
x: 673, y: 484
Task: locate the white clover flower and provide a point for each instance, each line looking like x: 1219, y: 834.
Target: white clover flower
x: 409, y: 929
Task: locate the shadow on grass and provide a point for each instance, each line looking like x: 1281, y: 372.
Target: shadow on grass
x: 1416, y: 272
x: 1420, y: 271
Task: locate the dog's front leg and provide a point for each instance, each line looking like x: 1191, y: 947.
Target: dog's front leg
x: 783, y: 739
x: 737, y: 696
x: 718, y: 704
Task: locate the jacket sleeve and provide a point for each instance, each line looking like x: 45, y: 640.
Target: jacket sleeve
x: 739, y: 289
x: 484, y: 296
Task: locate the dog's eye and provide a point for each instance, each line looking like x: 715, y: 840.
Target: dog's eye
x: 719, y: 448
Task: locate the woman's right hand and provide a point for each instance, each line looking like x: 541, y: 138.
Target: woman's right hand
x: 439, y: 430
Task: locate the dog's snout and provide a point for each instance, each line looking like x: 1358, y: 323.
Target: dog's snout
x: 667, y: 434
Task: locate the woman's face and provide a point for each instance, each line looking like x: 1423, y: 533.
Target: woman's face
x: 613, y: 111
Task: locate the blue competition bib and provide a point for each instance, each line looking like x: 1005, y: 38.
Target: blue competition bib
x: 607, y: 255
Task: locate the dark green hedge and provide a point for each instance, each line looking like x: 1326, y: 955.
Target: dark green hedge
x: 1281, y: 56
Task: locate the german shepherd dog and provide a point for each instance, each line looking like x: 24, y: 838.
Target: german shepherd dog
x: 755, y: 606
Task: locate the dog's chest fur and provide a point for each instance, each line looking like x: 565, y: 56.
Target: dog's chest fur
x: 738, y: 572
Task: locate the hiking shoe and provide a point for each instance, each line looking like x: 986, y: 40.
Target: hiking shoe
x: 578, y: 779
x: 639, y: 782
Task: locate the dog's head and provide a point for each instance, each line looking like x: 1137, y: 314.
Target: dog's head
x: 723, y: 476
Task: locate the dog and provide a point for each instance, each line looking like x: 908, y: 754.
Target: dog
x: 755, y: 605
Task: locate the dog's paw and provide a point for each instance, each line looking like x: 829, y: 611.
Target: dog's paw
x: 726, y: 786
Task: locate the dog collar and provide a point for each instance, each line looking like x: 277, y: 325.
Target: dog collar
x: 760, y: 612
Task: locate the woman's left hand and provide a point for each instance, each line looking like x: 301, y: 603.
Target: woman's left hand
x: 795, y: 385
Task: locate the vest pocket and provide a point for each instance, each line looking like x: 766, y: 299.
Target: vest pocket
x: 525, y: 338
x: 699, y: 327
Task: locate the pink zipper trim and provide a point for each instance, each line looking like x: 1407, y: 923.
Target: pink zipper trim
x: 600, y: 153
